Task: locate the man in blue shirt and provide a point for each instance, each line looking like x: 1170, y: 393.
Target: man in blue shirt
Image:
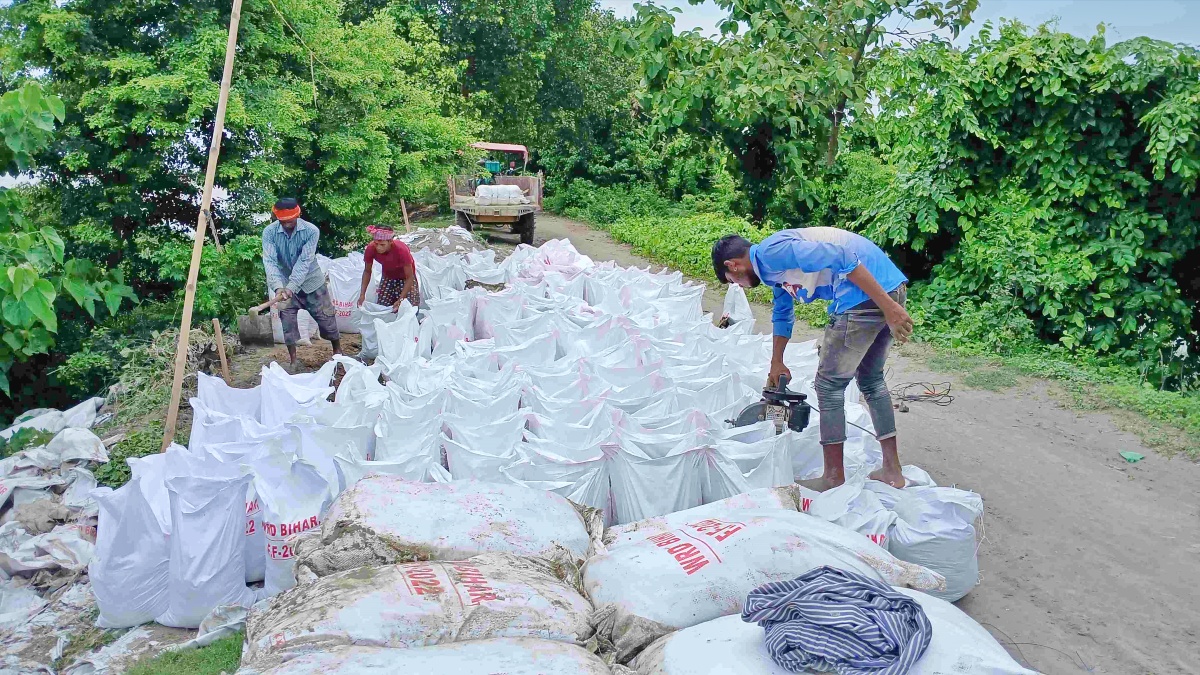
x: 293, y: 275
x: 866, y: 294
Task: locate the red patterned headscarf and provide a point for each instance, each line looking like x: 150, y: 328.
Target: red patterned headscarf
x: 381, y: 233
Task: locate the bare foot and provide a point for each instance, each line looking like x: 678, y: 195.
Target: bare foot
x: 822, y: 484
x: 893, y: 478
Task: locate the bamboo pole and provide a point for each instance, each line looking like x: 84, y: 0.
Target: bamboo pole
x: 189, y: 297
x: 404, y: 210
x: 221, y: 350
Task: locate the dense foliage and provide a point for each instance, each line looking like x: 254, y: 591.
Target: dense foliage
x: 36, y: 276
x: 1048, y: 180
x: 778, y: 94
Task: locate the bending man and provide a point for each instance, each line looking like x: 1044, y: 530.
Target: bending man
x: 399, y: 280
x: 293, y: 275
x: 866, y: 294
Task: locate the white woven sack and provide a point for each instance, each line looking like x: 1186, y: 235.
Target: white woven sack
x: 704, y: 570
x: 763, y: 498
x: 511, y: 656
x: 730, y: 646
x: 208, y: 565
x: 404, y: 520
x: 419, y: 604
x: 364, y: 318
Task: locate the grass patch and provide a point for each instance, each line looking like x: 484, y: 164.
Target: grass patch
x: 993, y: 379
x: 86, y: 639
x: 224, y: 655
x: 139, y: 443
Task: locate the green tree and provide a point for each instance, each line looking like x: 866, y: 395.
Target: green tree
x: 1045, y: 175
x: 349, y: 117
x: 779, y: 93
x: 35, y: 273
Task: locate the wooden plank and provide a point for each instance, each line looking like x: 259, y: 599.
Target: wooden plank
x: 189, y: 292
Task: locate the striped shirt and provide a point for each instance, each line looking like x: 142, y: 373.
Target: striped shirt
x: 831, y: 620
x: 291, y: 259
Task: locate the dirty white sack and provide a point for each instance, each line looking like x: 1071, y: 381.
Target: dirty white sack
x: 704, y: 570
x: 511, y: 656
x: 418, y: 604
x: 385, y: 519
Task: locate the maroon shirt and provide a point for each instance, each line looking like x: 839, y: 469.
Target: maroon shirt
x: 394, y: 261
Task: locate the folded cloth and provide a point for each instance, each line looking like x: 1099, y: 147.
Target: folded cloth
x: 830, y: 620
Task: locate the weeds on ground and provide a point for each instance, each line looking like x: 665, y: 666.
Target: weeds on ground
x: 87, y: 638
x: 221, y: 656
x: 1085, y: 384
x: 139, y: 443
x: 23, y: 439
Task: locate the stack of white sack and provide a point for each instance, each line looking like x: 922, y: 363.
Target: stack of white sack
x: 605, y: 386
x: 499, y: 195
x: 195, y: 525
x: 730, y: 646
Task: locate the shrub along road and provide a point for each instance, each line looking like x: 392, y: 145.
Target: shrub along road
x: 1087, y: 562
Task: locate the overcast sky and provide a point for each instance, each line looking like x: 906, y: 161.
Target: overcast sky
x: 1170, y: 20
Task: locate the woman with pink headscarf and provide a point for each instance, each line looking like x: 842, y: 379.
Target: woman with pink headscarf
x: 399, y: 270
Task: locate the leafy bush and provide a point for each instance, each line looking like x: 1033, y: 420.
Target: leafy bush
x: 139, y: 443
x: 1049, y: 176
x: 230, y: 280
x: 34, y: 271
x: 23, y: 439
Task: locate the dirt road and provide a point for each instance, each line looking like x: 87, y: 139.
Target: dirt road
x: 1088, y: 563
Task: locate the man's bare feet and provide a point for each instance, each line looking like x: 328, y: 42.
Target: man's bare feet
x: 892, y: 477
x: 822, y: 484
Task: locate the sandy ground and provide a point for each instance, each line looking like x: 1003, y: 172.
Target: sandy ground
x: 1088, y: 564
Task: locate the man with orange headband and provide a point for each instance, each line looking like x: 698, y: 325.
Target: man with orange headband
x: 293, y: 275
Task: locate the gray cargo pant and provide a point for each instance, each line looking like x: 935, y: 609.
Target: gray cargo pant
x: 855, y: 346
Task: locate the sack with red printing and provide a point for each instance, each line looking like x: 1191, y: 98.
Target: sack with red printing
x: 511, y: 656
x: 704, y: 569
x: 852, y: 507
x: 293, y: 495
x: 387, y: 519
x: 763, y: 498
x: 419, y: 604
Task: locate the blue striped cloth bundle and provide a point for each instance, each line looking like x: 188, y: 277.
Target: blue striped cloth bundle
x: 831, y: 620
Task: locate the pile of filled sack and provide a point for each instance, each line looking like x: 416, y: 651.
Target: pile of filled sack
x: 536, y: 480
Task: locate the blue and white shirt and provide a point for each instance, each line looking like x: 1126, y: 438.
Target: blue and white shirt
x: 291, y: 259
x: 812, y: 263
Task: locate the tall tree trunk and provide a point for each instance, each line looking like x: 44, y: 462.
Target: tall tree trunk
x: 839, y: 111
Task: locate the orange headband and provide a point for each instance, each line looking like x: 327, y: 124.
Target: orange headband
x: 286, y: 214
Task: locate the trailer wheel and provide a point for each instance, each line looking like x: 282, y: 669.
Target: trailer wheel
x: 463, y: 221
x: 526, y: 228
